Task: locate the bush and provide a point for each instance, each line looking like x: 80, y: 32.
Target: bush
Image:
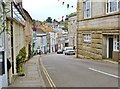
x: 20, y: 59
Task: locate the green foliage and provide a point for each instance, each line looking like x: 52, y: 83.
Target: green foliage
x: 58, y: 23
x: 55, y: 21
x: 4, y: 12
x: 63, y: 28
x: 72, y: 14
x: 49, y: 19
x: 65, y: 25
x: 20, y: 59
x: 66, y: 19
x: 33, y: 21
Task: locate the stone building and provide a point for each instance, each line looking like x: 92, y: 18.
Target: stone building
x: 72, y: 26
x: 12, y: 39
x: 28, y: 34
x: 97, y: 30
x: 15, y: 34
x: 45, y: 37
x: 15, y: 40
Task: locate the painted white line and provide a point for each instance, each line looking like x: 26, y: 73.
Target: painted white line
x: 115, y: 76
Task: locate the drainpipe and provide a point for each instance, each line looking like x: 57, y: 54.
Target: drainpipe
x: 12, y: 45
x: 78, y: 8
x: 119, y: 44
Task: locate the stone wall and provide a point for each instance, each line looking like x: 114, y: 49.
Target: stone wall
x: 103, y: 23
x: 93, y: 49
x: 97, y: 27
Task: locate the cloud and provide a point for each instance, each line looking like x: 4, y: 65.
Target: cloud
x: 41, y: 9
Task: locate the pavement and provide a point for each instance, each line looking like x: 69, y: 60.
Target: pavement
x: 110, y: 61
x: 104, y: 60
x: 33, y: 76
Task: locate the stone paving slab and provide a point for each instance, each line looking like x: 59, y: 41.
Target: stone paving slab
x: 33, y: 76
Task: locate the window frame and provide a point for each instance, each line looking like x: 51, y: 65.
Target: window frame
x: 85, y: 10
x: 116, y: 43
x: 87, y: 38
x: 108, y: 7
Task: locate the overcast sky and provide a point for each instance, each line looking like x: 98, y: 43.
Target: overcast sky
x: 41, y: 9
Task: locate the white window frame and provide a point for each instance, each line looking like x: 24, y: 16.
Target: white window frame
x: 115, y: 43
x: 108, y: 7
x: 86, y: 3
x: 86, y: 37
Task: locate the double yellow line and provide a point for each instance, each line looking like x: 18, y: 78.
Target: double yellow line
x: 52, y: 85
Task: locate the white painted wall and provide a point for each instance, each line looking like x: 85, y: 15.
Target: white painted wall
x: 4, y: 77
x: 52, y: 42
x: 0, y: 81
x: 37, y: 43
x: 0, y: 43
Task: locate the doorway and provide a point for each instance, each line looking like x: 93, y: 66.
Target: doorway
x: 66, y: 44
x: 110, y: 47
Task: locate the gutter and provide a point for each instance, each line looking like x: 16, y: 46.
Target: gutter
x: 14, y: 20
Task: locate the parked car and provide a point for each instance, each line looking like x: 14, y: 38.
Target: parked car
x: 69, y: 50
x: 60, y: 51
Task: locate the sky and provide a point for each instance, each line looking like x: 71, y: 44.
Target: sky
x: 42, y: 9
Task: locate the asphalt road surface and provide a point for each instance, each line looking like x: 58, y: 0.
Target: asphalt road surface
x: 68, y: 71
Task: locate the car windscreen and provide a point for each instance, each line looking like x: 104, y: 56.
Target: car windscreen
x: 69, y: 49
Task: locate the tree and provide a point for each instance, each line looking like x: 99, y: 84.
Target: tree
x: 72, y: 14
x: 55, y: 21
x: 66, y: 19
x: 65, y: 25
x: 33, y: 21
x: 49, y: 19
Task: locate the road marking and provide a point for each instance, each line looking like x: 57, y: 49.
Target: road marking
x: 48, y: 76
x: 115, y: 76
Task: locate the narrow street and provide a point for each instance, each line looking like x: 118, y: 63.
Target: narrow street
x: 37, y: 38
x: 67, y: 71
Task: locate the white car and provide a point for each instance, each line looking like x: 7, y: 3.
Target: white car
x: 60, y: 51
x: 69, y: 50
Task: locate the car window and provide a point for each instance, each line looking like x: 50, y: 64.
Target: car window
x: 69, y: 48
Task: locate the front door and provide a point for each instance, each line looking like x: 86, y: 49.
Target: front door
x: 110, y: 47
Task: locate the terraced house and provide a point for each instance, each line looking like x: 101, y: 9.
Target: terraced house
x: 98, y: 29
x: 15, y: 34
x: 72, y: 30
